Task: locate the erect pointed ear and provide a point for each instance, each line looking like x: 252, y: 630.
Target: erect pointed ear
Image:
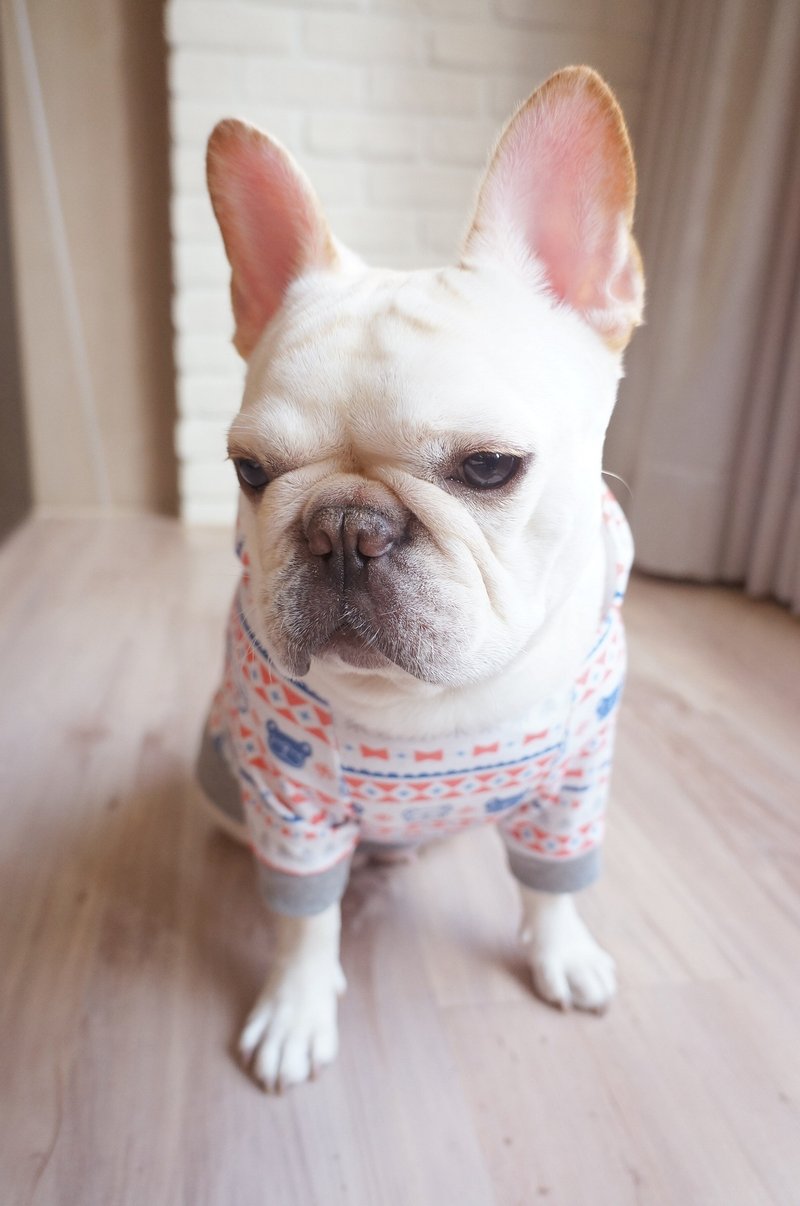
x: 271, y: 222
x: 560, y: 190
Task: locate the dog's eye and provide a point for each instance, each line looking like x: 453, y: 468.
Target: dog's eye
x: 487, y: 470
x: 250, y: 473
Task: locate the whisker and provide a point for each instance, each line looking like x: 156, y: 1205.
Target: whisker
x: 616, y: 476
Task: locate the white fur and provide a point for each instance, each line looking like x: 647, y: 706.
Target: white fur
x: 291, y: 1031
x: 568, y: 966
x: 507, y: 364
x: 362, y: 380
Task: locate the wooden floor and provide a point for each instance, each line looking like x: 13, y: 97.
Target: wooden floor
x: 132, y: 941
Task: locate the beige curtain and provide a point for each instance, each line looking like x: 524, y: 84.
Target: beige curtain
x: 707, y: 433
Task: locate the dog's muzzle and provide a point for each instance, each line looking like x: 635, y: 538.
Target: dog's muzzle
x: 361, y: 586
x: 345, y: 592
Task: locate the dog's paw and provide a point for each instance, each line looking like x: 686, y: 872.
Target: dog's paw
x: 570, y: 969
x: 581, y: 975
x: 291, y: 1031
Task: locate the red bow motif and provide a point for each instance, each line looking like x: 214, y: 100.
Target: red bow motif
x: 367, y: 752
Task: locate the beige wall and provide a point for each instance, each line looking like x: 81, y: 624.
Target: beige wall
x: 102, y: 73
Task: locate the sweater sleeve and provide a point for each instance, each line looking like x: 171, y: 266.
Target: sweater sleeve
x: 281, y: 747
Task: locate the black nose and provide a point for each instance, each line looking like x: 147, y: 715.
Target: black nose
x: 348, y: 538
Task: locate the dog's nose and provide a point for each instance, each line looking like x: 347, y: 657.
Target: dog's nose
x: 348, y: 538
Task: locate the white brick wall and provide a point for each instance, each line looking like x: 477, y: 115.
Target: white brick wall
x: 391, y: 107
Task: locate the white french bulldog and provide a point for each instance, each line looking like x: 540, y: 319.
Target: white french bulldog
x: 427, y: 632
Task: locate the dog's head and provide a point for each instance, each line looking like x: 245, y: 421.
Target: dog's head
x: 419, y: 452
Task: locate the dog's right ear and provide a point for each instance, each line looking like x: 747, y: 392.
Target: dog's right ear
x: 272, y: 223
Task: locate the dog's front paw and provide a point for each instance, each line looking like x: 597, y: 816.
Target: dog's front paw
x: 580, y: 974
x: 291, y: 1031
x: 569, y: 968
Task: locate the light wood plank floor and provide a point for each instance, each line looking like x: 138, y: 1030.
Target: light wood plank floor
x: 132, y: 941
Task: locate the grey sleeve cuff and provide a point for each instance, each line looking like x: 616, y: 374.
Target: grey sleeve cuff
x: 555, y: 875
x: 217, y: 779
x: 303, y: 895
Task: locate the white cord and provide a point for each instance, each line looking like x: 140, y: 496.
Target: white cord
x: 65, y: 272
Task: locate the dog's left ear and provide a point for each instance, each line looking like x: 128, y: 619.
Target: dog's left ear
x: 560, y: 190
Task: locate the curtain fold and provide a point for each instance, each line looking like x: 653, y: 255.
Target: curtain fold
x: 708, y: 429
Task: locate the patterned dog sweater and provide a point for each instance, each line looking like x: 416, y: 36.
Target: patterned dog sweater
x: 312, y: 787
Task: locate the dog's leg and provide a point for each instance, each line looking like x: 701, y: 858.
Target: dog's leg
x: 569, y: 968
x: 291, y: 1030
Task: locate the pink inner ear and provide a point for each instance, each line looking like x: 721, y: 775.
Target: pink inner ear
x: 562, y: 178
x: 270, y: 220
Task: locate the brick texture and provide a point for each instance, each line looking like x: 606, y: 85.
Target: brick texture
x: 391, y: 106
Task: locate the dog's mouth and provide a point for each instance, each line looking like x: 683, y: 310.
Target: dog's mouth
x: 352, y: 640
x: 353, y: 648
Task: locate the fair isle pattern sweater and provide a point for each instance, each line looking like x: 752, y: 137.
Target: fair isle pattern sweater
x: 312, y: 787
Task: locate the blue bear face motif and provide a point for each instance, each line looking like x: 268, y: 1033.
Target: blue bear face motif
x: 498, y: 805
x: 290, y: 751
x: 607, y: 704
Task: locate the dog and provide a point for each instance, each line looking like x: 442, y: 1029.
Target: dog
x: 427, y: 632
